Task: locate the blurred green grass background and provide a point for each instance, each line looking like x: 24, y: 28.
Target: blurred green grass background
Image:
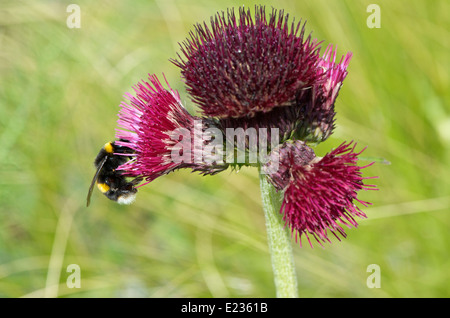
x: 192, y: 236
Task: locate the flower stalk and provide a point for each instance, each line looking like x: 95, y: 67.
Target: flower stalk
x: 279, y: 241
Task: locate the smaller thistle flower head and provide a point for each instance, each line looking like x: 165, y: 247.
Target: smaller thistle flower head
x: 318, y: 192
x: 243, y: 66
x: 146, y: 125
x: 162, y: 134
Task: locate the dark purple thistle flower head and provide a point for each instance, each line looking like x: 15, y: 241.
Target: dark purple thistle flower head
x: 242, y: 66
x: 319, y: 192
x: 263, y: 71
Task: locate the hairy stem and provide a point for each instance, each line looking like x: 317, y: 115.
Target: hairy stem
x: 278, y: 237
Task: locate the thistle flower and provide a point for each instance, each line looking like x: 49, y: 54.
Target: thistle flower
x: 263, y: 73
x: 255, y: 73
x: 161, y: 132
x: 240, y: 67
x: 318, y: 192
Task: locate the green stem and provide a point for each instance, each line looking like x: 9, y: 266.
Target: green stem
x: 278, y: 237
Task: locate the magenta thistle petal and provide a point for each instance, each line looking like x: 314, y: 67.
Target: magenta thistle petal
x: 320, y: 193
x: 146, y: 124
x: 318, y: 102
x: 335, y: 73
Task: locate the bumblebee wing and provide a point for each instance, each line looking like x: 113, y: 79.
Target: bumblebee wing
x: 94, y: 180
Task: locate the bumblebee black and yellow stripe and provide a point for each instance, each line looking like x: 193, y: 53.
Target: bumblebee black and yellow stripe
x: 110, y: 181
x: 103, y: 187
x: 109, y: 148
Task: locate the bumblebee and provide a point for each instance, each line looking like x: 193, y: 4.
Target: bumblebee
x: 110, y: 181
